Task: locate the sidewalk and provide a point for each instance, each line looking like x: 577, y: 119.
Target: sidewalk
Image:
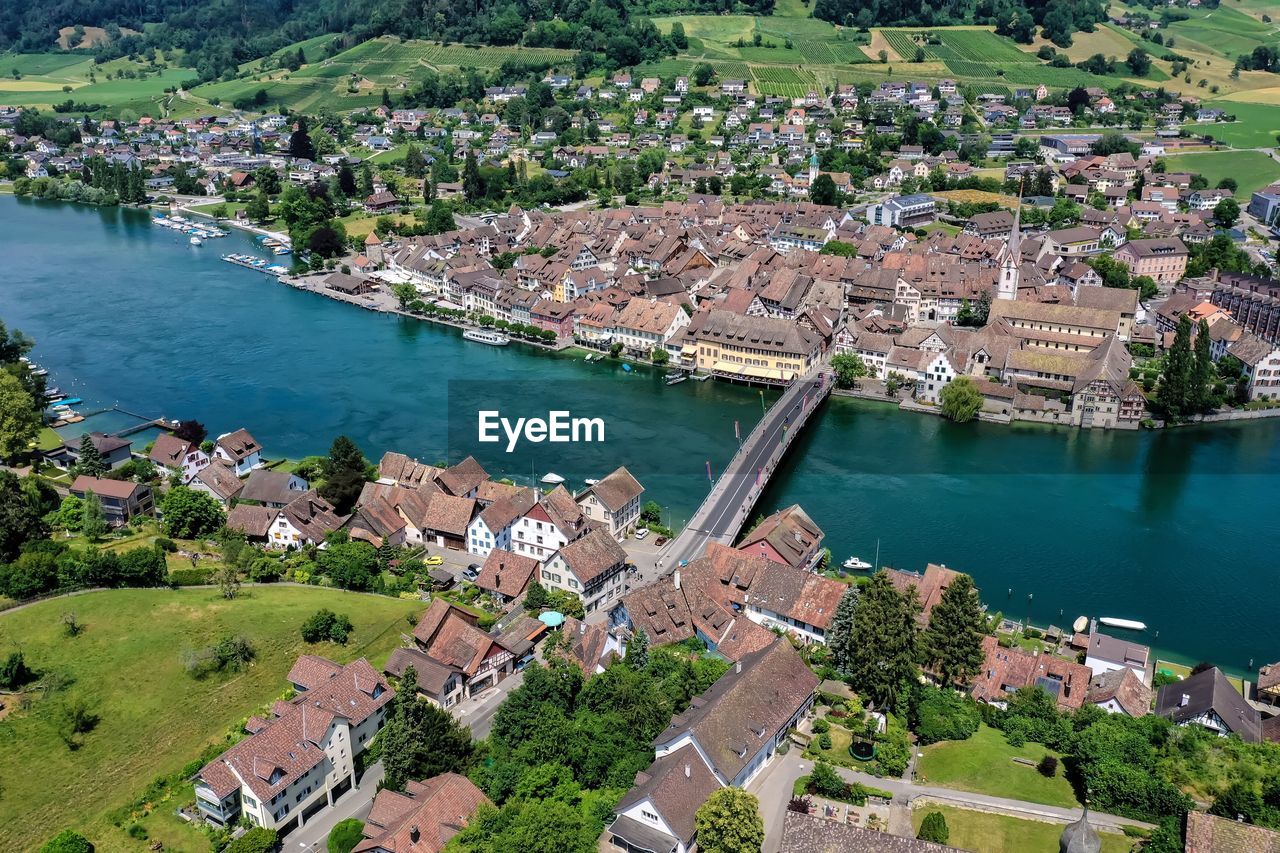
x: 313, y: 835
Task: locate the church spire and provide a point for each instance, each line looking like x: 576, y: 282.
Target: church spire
x: 1007, y: 286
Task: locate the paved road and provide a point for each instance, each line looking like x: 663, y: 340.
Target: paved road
x: 722, y: 514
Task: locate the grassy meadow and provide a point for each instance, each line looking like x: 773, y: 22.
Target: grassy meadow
x: 154, y: 718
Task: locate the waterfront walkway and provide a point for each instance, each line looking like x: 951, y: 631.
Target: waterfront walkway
x: 725, y: 510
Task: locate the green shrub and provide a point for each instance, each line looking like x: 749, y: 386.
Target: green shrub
x: 934, y: 828
x: 824, y: 740
x: 166, y: 544
x: 67, y: 842
x: 1048, y: 766
x: 345, y: 835
x: 820, y: 726
x: 256, y: 840
x: 942, y: 715
x: 190, y: 577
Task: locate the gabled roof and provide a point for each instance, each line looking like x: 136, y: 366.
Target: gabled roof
x: 1007, y: 670
x: 312, y: 515
x: 423, y: 818
x: 117, y: 489
x: 221, y: 479
x: 169, y: 450
x: 746, y: 707
x: 238, y: 445
x: 616, y: 490
x: 462, y: 478
x: 677, y: 784
x: 1125, y: 687
x: 104, y: 443
x: 1209, y: 691
x: 790, y: 533
x: 268, y: 487
x: 1209, y: 834
x: 803, y: 833
x: 592, y: 556
x: 506, y: 573
x: 252, y: 521
x: 448, y: 514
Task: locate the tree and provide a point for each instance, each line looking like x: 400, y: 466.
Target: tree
x: 421, y: 740
x: 659, y: 356
x: 1227, y: 212
x: 1202, y: 372
x: 823, y: 190
x: 344, y: 472
x: 326, y: 626
x: 1240, y: 800
x: 415, y: 165
x: 191, y: 431
x: 300, y: 144
x: 189, y: 514
x: 90, y: 461
x: 404, y: 293
x: 1139, y: 62
x: 20, y: 419
x: 678, y: 38
x: 730, y: 822
x: 14, y: 672
x: 227, y: 578
x: 952, y: 643
x: 1174, y: 391
x: 934, y: 828
x: 472, y: 182
x: 67, y: 841
x: 535, y: 598
x: 884, y: 636
x: 638, y: 650
x: 93, y: 521
x: 21, y: 521
x: 703, y: 74
x: 840, y: 634
x: 849, y: 369
x: 440, y: 218
x: 259, y: 207
x: 345, y: 835
x: 961, y: 399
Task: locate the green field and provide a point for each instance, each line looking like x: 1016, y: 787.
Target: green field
x: 1256, y: 125
x: 1224, y: 30
x: 1251, y: 169
x: 154, y: 717
x: 44, y: 78
x: 984, y: 764
x: 983, y: 832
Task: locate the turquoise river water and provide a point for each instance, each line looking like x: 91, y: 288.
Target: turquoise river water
x: 1177, y: 528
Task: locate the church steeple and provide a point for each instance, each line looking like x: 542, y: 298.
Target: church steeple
x: 1007, y: 286
x: 813, y: 168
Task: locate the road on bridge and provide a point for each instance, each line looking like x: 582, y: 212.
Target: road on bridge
x: 722, y: 514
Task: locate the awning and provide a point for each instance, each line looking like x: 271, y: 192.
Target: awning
x: 750, y: 371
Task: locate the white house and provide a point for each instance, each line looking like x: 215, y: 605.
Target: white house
x: 178, y: 456
x: 301, y: 761
x: 240, y: 450
x: 591, y: 567
x: 491, y: 529
x: 551, y: 523
x: 613, y: 502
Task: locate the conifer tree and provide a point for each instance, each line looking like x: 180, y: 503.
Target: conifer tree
x: 884, y: 637
x: 90, y: 463
x: 840, y: 634
x: 1175, y: 382
x: 1202, y: 373
x: 953, y: 641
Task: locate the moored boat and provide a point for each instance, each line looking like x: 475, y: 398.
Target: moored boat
x: 496, y: 339
x: 1129, y: 624
x: 676, y: 380
x: 856, y: 564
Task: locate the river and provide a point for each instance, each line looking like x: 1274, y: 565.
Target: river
x: 1178, y: 528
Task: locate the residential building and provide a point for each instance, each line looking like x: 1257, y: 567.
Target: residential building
x: 272, y: 488
x: 758, y: 349
x: 613, y: 502
x: 423, y: 818
x: 1163, y: 259
x: 1120, y: 691
x: 450, y: 636
x: 491, y: 529
x: 121, y: 499
x: 301, y: 761
x: 1209, y: 700
x: 506, y: 576
x: 114, y: 451
x: 908, y: 211
x: 725, y: 737
x: 551, y: 523
x: 788, y: 536
x: 240, y: 450
x: 1105, y: 653
x: 591, y: 567
x: 1007, y: 670
x: 178, y: 456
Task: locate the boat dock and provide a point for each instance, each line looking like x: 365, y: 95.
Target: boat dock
x: 250, y: 262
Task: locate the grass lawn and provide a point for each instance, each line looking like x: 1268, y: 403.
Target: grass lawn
x: 1256, y: 125
x: 984, y: 764
x: 1251, y: 169
x: 983, y: 832
x: 48, y: 439
x: 154, y: 717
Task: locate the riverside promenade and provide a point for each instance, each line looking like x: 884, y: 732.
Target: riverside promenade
x: 725, y: 510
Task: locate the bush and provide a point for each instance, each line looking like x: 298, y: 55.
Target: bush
x: 934, y: 828
x: 230, y: 654
x: 325, y: 625
x: 256, y: 840
x: 826, y: 781
x: 190, y: 577
x: 166, y: 544
x: 345, y: 835
x: 942, y: 715
x: 67, y: 842
x: 15, y: 673
x: 821, y: 726
x: 1048, y: 766
x: 824, y: 740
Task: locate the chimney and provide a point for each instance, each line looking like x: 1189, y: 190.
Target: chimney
x: 582, y: 628
x: 675, y: 577
x: 687, y: 771
x: 737, y: 667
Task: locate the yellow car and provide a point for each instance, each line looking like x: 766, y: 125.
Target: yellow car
x: 432, y: 560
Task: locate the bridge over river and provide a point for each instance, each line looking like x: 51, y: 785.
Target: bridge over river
x: 725, y: 510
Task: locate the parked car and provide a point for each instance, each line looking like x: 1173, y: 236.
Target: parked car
x: 433, y: 560
x: 471, y: 572
x: 642, y: 532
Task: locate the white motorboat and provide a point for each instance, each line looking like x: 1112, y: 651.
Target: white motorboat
x: 1129, y: 624
x: 552, y: 479
x: 196, y: 241
x: 855, y: 564
x: 494, y: 339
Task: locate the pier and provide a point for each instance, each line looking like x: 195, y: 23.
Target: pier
x: 722, y: 514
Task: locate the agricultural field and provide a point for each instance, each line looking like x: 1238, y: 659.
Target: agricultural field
x: 41, y: 80
x: 1223, y: 30
x: 783, y: 82
x: 153, y: 717
x: 1252, y: 170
